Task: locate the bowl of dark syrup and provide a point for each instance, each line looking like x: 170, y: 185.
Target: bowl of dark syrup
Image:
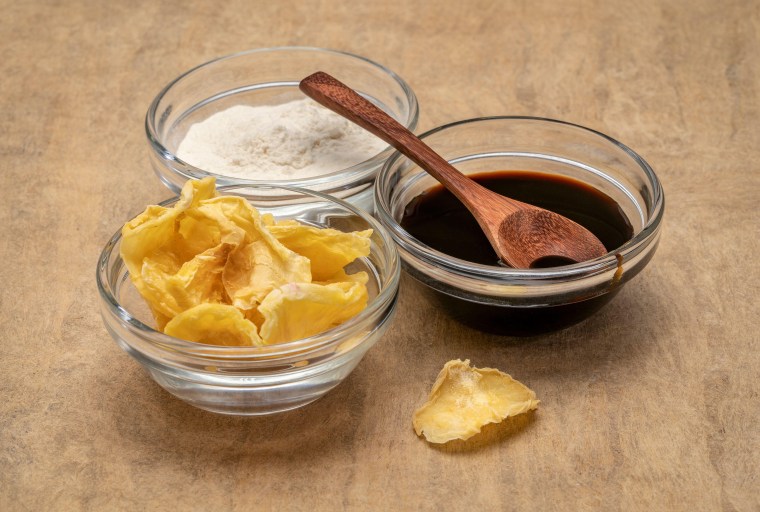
x: 574, y: 171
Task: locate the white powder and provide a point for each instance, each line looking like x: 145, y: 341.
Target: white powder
x: 293, y: 140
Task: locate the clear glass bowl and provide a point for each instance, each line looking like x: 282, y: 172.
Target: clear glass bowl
x: 525, y: 302
x: 257, y: 380
x: 270, y: 76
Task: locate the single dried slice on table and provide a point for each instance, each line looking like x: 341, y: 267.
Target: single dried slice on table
x: 214, y: 324
x: 464, y: 399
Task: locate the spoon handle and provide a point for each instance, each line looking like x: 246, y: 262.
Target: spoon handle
x: 339, y: 98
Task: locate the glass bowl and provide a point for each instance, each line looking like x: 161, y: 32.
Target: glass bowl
x: 525, y: 302
x: 270, y: 76
x: 257, y: 380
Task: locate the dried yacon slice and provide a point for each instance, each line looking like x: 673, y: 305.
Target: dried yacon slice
x: 198, y: 232
x: 342, y: 277
x: 170, y: 290
x: 145, y: 235
x: 260, y: 263
x: 217, y: 250
x: 194, y: 192
x: 154, y: 233
x: 214, y: 324
x: 254, y: 316
x: 268, y: 220
x: 256, y: 269
x: 329, y: 250
x: 155, y: 227
x: 299, y: 310
x: 233, y: 215
x: 464, y: 399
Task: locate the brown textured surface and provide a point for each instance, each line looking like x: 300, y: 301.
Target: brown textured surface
x: 652, y: 404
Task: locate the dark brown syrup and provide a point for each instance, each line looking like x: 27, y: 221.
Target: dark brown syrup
x: 440, y: 221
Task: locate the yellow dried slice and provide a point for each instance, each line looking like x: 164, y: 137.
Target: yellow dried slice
x: 194, y: 192
x: 218, y: 252
x: 256, y: 269
x: 154, y: 233
x: 254, y: 316
x: 161, y: 319
x: 214, y: 324
x: 329, y: 250
x: 155, y: 227
x: 145, y: 235
x: 268, y: 220
x: 170, y: 291
x: 260, y: 263
x: 300, y: 310
x: 342, y: 277
x: 464, y: 399
x: 197, y: 233
x: 233, y: 215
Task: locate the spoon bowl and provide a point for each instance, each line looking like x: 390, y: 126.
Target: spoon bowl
x: 522, y: 235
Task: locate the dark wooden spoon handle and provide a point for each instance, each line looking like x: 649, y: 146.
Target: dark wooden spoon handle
x: 519, y: 233
x: 338, y: 97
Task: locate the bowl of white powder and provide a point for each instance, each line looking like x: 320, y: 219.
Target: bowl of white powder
x: 243, y: 120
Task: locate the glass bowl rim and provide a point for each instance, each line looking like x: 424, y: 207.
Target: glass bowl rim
x: 334, y: 336
x: 356, y: 171
x: 511, y: 275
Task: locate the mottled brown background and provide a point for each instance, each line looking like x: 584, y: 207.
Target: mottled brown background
x: 651, y: 405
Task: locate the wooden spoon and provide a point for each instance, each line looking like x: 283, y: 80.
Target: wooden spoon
x: 522, y: 235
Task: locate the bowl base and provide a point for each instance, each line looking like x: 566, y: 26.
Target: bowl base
x: 511, y: 320
x: 242, y: 401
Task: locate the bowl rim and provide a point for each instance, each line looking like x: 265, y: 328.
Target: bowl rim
x: 357, y: 170
x: 609, y: 261
x: 388, y: 291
